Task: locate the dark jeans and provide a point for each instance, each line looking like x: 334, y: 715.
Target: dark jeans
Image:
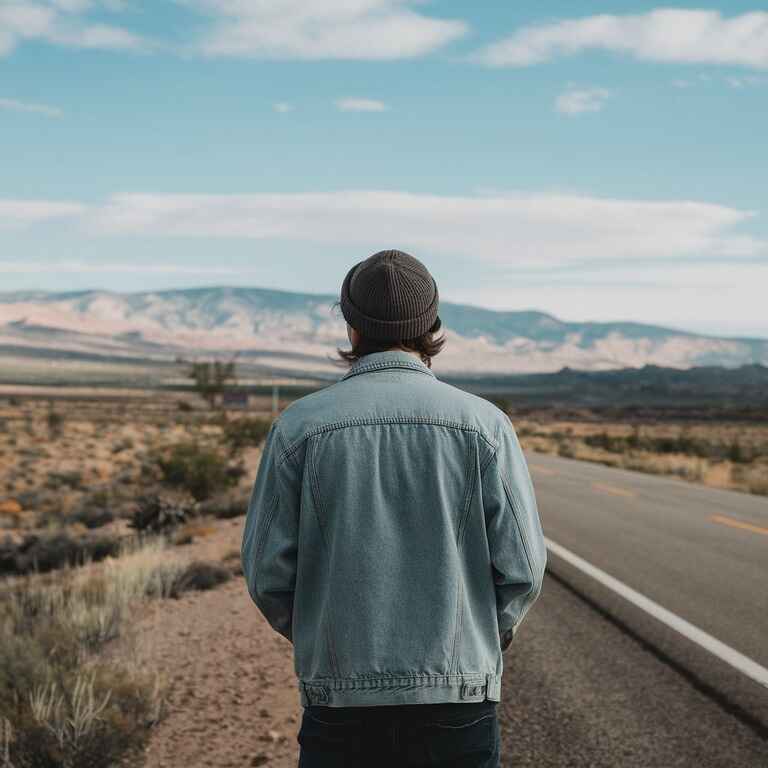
x: 460, y: 735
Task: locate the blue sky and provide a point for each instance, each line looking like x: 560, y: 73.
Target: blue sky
x: 605, y: 162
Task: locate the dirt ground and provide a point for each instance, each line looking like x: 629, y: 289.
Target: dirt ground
x: 233, y: 698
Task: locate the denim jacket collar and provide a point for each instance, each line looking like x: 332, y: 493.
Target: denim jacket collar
x: 389, y: 358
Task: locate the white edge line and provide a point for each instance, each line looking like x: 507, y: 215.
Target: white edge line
x: 730, y: 656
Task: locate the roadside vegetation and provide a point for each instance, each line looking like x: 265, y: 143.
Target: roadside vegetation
x: 98, y: 504
x: 719, y: 454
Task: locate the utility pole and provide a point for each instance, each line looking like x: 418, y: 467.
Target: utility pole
x: 274, y: 400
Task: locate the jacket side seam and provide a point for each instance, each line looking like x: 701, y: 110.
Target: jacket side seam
x: 511, y: 499
x: 431, y: 420
x: 261, y: 541
x: 315, y: 482
x: 469, y: 493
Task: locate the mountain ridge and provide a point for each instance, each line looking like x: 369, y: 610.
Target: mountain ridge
x: 250, y: 319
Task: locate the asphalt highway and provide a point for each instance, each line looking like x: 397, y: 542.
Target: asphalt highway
x: 593, y: 679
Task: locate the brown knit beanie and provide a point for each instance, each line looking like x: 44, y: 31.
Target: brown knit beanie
x: 390, y: 296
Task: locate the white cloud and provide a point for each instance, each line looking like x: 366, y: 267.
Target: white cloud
x: 361, y: 105
x: 524, y: 230
x: 23, y: 106
x: 664, y: 34
x: 574, y: 101
x: 323, y: 29
x: 746, y: 81
x: 79, y: 267
x: 21, y: 213
x: 521, y: 229
x: 61, y: 22
x: 283, y: 107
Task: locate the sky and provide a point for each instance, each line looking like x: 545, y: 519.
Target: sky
x: 597, y: 161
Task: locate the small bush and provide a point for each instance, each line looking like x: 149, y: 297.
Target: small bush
x: 55, y: 421
x: 123, y: 445
x: 63, y: 703
x: 225, y: 506
x: 73, y: 480
x: 200, y: 575
x: 156, y: 513
x: 566, y: 449
x: 242, y: 433
x: 188, y: 533
x: 91, y: 517
x: 40, y: 553
x: 201, y: 471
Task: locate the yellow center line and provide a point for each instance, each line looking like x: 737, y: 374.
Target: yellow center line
x: 733, y: 523
x: 542, y: 470
x: 615, y: 490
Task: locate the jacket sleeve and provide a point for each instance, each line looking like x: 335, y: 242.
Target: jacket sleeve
x: 516, y: 542
x: 270, y: 537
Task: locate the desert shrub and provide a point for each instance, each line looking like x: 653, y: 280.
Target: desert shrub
x: 241, y: 433
x: 233, y: 561
x: 201, y: 575
x: 199, y: 470
x: 225, y: 506
x: 157, y: 513
x: 91, y: 516
x: 566, y: 449
x: 41, y: 553
x: 73, y: 480
x: 55, y: 421
x: 191, y: 531
x: 62, y: 703
x: 123, y: 445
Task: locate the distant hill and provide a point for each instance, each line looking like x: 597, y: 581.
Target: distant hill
x: 288, y: 332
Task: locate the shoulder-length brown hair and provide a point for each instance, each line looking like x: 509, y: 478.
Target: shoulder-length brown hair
x: 427, y: 345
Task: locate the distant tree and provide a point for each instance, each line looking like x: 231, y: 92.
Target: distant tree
x: 212, y: 378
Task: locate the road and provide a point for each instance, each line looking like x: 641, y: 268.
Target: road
x: 592, y: 679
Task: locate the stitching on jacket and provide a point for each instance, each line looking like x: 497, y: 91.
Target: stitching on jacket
x: 284, y: 447
x: 460, y: 585
x: 526, y: 547
x: 315, y: 482
x: 472, y: 478
x: 380, y: 677
x: 492, y: 455
x: 261, y: 541
x: 357, y: 421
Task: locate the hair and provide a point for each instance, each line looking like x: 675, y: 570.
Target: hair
x: 427, y: 345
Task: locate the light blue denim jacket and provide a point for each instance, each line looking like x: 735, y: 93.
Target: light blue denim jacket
x: 392, y: 536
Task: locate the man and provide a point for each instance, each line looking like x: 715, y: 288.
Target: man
x: 393, y: 537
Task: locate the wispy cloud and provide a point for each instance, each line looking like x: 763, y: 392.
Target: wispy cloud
x: 62, y: 22
x: 574, y: 101
x: 283, y: 107
x: 361, y: 105
x: 21, y: 213
x: 13, y: 105
x: 80, y: 267
x: 323, y: 29
x: 524, y: 229
x: 746, y: 81
x: 664, y: 34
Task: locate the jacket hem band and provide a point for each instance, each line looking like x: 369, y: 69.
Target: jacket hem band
x: 384, y: 690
